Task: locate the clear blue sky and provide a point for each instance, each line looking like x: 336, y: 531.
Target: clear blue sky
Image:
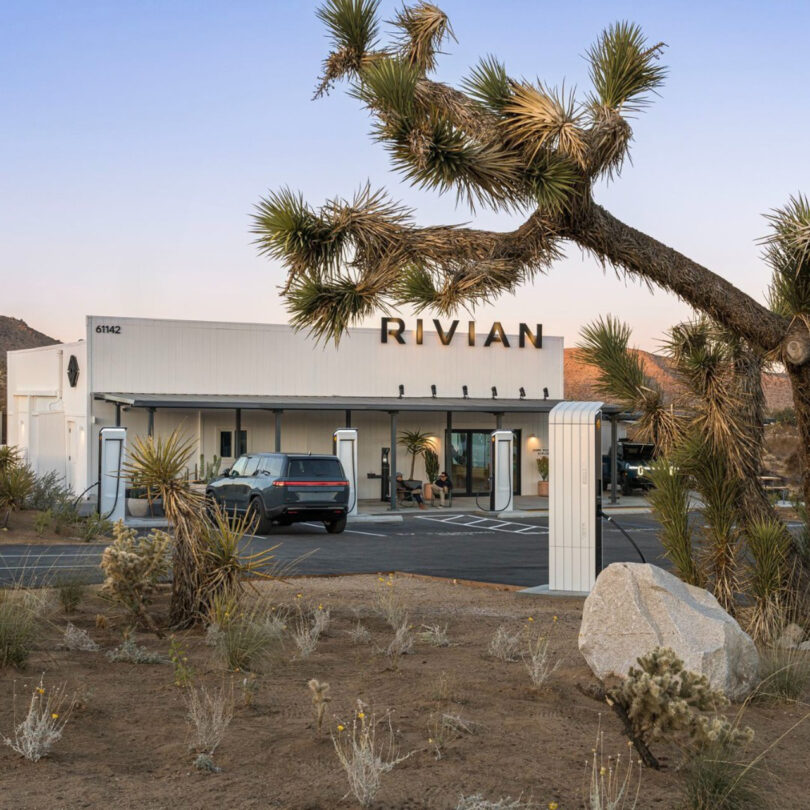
x: 137, y: 136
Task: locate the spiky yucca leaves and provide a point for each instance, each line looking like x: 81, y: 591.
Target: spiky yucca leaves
x: 17, y: 482
x: 10, y: 456
x: 352, y: 27
x: 669, y: 499
x: 767, y: 574
x: 624, y: 68
x: 160, y: 465
x: 540, y: 118
x: 424, y: 28
x: 620, y: 376
x: 489, y: 85
x: 788, y: 253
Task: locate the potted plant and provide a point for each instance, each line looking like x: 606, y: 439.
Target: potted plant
x: 542, y: 470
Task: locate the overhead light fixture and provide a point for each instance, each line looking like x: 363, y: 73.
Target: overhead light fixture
x: 464, y: 391
x: 401, y: 391
x: 433, y: 391
x: 545, y: 393
x: 522, y: 392
x: 494, y: 392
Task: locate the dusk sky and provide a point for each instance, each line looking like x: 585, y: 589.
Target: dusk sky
x: 137, y: 137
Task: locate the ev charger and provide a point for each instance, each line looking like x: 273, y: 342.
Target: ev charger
x: 112, y: 443
x: 345, y: 445
x: 575, y: 496
x: 502, y: 444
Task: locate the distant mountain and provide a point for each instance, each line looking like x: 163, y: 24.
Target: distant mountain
x: 17, y: 334
x: 580, y: 379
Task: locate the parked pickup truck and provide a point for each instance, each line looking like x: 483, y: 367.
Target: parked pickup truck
x: 284, y: 488
x: 632, y: 461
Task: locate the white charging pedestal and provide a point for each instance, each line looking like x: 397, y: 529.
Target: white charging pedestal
x: 575, y: 495
x: 112, y: 448
x: 345, y: 444
x: 501, y: 497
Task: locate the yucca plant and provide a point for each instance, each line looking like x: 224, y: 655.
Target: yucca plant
x: 159, y: 465
x: 416, y: 443
x: 16, y: 484
x: 10, y: 456
x: 767, y: 578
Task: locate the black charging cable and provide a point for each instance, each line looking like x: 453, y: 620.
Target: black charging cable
x: 609, y: 519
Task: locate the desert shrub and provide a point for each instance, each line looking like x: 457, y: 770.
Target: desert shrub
x: 435, y: 635
x: 94, y: 526
x: 246, y: 641
x: 70, y: 589
x: 250, y: 686
x: 320, y: 700
x: 77, y: 639
x: 48, y: 713
x: 363, y: 756
x: 609, y: 784
x: 402, y: 642
x: 714, y: 779
x: 538, y: 660
x: 661, y: 698
x: 20, y: 626
x: 48, y: 492
x: 785, y: 417
x: 209, y: 713
x: 506, y: 645
x: 42, y: 522
x: 359, y: 634
x: 133, y: 566
x: 183, y: 673
x: 477, y: 802
x: 16, y: 483
x: 784, y: 675
x: 306, y: 632
x: 129, y: 652
x: 388, y: 603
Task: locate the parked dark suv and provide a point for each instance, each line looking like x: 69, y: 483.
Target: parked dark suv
x: 633, y: 460
x: 284, y: 488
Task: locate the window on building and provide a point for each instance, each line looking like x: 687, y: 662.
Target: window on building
x: 226, y: 444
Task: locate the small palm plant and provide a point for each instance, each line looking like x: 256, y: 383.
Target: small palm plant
x: 416, y: 443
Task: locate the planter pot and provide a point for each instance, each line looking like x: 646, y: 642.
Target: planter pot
x: 142, y: 507
x: 542, y: 489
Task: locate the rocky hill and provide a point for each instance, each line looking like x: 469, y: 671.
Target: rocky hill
x: 580, y: 377
x: 16, y: 334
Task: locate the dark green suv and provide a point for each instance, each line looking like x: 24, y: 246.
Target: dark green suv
x: 284, y: 488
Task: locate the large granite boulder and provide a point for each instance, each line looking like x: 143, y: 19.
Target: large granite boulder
x: 635, y: 607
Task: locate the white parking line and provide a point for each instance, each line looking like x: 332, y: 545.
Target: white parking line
x: 349, y: 531
x: 525, y: 528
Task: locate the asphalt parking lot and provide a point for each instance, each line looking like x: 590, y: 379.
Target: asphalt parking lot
x: 462, y: 546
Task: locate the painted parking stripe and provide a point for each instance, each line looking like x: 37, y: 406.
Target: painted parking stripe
x: 526, y: 528
x: 348, y: 531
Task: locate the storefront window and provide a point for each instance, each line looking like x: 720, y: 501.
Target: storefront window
x: 226, y: 443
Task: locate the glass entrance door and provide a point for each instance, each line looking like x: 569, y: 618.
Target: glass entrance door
x: 470, y: 461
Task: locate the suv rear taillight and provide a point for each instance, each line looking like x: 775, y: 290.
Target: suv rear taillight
x: 281, y: 483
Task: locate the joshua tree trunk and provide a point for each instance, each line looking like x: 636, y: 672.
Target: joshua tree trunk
x: 800, y: 381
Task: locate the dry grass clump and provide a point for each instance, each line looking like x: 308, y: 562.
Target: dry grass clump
x: 359, y: 634
x: 714, y: 778
x: 210, y: 712
x: 247, y: 641
x: 48, y: 713
x: 77, y: 639
x: 306, y: 631
x: 435, y: 635
x: 132, y: 567
x: 388, y: 604
x: 538, y: 661
x: 20, y: 625
x: 70, y: 590
x: 477, y: 802
x: 784, y: 674
x: 363, y: 756
x: 506, y: 645
x: 128, y: 652
x: 402, y: 642
x: 444, y: 728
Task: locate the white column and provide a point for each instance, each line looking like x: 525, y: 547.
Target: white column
x: 345, y: 443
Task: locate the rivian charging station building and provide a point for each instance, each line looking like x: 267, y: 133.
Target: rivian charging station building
x: 236, y: 387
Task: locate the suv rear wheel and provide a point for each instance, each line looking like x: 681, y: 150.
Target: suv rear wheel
x: 335, y: 526
x: 258, y: 518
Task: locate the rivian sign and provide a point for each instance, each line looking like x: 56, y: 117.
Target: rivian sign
x: 394, y: 328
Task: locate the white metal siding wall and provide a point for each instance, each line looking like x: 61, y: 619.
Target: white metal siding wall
x: 193, y: 357
x: 572, y: 495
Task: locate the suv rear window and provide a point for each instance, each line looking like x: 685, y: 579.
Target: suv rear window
x: 304, y: 469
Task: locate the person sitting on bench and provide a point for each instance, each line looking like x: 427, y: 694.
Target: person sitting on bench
x: 408, y: 491
x: 443, y: 487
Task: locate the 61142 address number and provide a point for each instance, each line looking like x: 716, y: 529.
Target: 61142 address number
x: 108, y: 330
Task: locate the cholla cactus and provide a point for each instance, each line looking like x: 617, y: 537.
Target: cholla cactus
x: 663, y: 698
x: 133, y: 566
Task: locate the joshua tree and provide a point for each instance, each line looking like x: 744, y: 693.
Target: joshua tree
x: 512, y: 145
